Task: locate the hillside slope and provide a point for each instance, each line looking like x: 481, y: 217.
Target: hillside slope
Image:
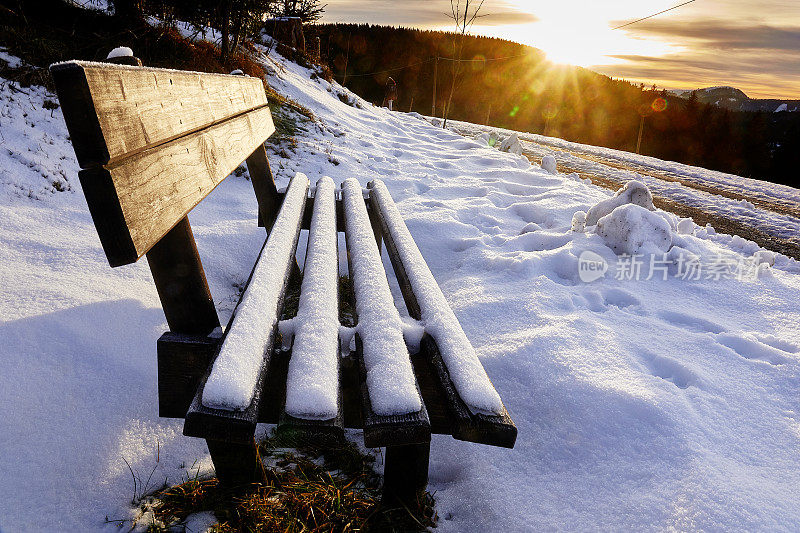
x: 736, y: 100
x: 505, y: 84
x: 645, y: 404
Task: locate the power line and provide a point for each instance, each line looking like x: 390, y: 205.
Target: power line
x: 482, y: 60
x: 391, y: 69
x: 653, y: 15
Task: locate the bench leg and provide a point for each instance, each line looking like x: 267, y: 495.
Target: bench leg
x: 236, y: 464
x: 405, y: 473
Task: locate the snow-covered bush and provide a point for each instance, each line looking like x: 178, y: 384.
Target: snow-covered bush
x: 549, y: 164
x: 634, y: 192
x: 632, y: 229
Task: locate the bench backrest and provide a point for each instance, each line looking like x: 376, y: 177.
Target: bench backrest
x: 153, y: 143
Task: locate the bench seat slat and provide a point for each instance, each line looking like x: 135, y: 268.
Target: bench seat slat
x: 227, y: 402
x: 313, y: 400
x: 480, y: 415
x: 392, y: 397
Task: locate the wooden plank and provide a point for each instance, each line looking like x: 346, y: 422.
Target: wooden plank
x: 340, y: 224
x: 115, y: 111
x: 392, y: 430
x: 236, y: 464
x: 181, y: 282
x: 269, y: 201
x: 494, y: 430
x: 273, y: 392
x: 405, y: 473
x: 182, y: 361
x: 350, y: 384
x: 432, y: 394
x: 497, y: 430
x: 300, y: 431
x: 379, y: 430
x: 318, y: 283
x: 156, y: 188
x: 239, y: 426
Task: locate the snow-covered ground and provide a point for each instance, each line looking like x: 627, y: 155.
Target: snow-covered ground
x: 660, y: 404
x: 716, y: 193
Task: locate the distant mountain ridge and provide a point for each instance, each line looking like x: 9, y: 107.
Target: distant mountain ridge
x: 736, y: 100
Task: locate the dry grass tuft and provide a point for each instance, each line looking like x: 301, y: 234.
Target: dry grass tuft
x: 313, y: 489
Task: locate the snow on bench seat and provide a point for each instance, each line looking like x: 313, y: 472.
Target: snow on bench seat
x: 389, y: 375
x: 312, y: 384
x: 466, y: 371
x: 237, y: 369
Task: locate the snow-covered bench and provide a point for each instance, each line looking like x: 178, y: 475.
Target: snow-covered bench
x: 152, y: 143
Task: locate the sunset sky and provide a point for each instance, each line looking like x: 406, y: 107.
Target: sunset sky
x: 752, y: 46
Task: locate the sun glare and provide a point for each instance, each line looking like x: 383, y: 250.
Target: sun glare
x: 579, y: 33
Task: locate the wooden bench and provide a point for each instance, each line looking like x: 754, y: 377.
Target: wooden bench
x: 152, y: 143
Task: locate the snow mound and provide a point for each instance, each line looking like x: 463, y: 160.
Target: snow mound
x: 491, y: 139
x: 511, y: 145
x: 634, y: 192
x: 549, y: 164
x: 120, y: 51
x: 579, y: 221
x: 488, y: 138
x: 632, y: 229
x: 764, y: 256
x: 686, y: 226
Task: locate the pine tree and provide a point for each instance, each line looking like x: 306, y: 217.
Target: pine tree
x: 308, y: 11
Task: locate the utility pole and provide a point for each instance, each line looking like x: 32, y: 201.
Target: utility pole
x: 346, y: 59
x: 488, y: 113
x: 639, y: 140
x: 411, y: 107
x: 435, y: 72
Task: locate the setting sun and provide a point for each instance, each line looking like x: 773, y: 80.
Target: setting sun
x: 579, y: 33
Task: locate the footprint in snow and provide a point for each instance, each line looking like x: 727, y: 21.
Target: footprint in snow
x: 603, y: 300
x: 464, y: 244
x: 778, y: 344
x: 533, y: 241
x: 480, y: 192
x: 529, y: 212
x: 421, y: 188
x: 751, y: 346
x: 518, y: 189
x: 689, y: 322
x: 668, y: 369
x: 619, y: 298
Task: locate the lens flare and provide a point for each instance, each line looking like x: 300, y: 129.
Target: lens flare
x: 659, y: 105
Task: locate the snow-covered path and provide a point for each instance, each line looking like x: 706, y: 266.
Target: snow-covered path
x: 660, y: 404
x: 770, y: 209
